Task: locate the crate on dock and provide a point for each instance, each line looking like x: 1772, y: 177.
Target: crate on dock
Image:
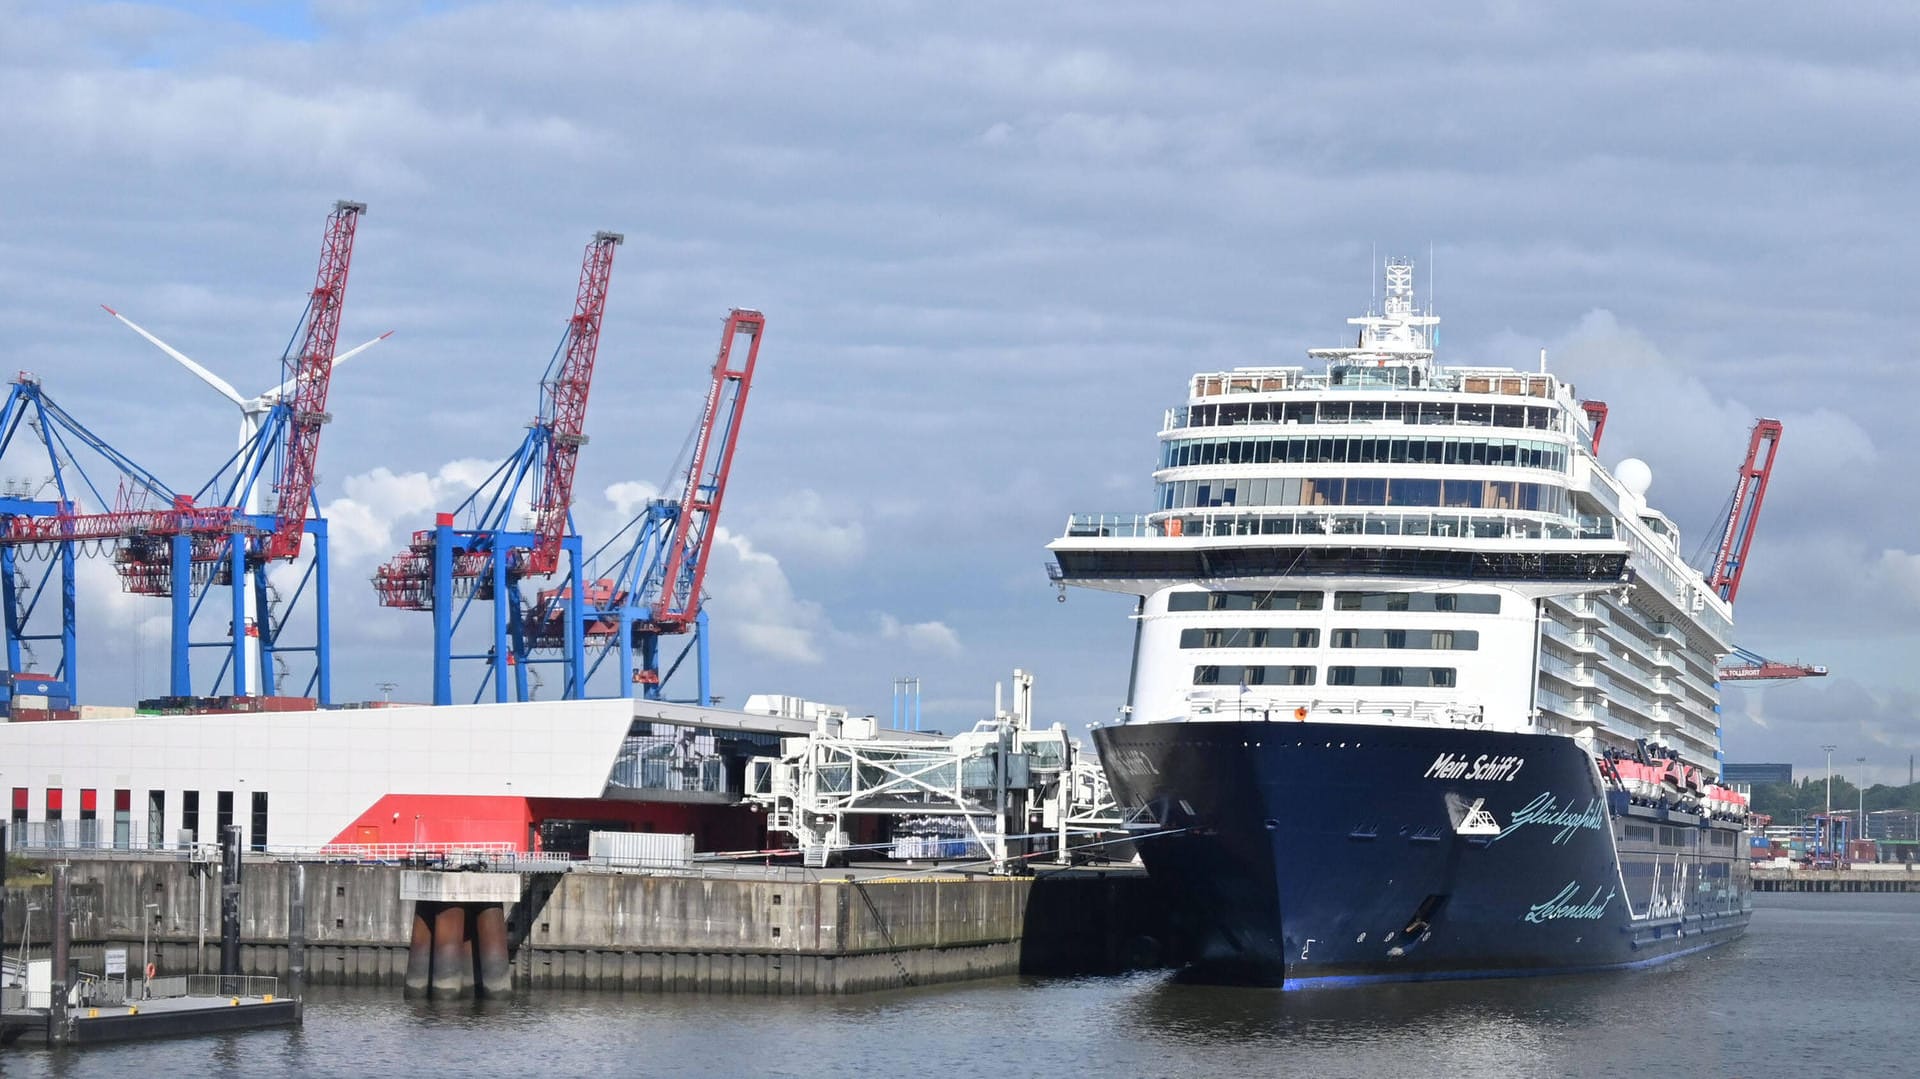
x: 640, y: 850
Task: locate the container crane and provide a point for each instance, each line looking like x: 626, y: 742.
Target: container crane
x: 1746, y: 666
x: 451, y: 565
x: 1743, y: 513
x: 37, y: 576
x: 256, y: 414
x: 182, y: 546
x: 654, y: 587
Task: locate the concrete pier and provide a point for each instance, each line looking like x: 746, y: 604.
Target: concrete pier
x: 1879, y: 878
x: 419, y: 978
x: 491, y: 959
x: 731, y: 931
x: 452, y: 953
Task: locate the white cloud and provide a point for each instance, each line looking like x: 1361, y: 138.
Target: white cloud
x: 381, y: 509
x: 751, y: 592
x: 1900, y: 570
x: 936, y: 638
x: 803, y: 526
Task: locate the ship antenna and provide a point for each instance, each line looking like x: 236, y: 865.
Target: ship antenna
x: 1429, y: 277
x: 1373, y: 283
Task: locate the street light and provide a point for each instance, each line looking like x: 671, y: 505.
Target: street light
x: 1861, y: 784
x: 1827, y: 825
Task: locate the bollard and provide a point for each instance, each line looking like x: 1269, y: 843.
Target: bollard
x: 490, y: 950
x: 419, y: 981
x: 297, y: 932
x: 62, y: 931
x: 230, y: 909
x: 452, y: 957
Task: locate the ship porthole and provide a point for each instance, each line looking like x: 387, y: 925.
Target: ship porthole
x: 1272, y: 825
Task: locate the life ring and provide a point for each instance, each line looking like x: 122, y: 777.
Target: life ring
x: 1300, y: 713
x: 150, y: 971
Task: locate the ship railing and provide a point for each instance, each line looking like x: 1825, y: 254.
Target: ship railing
x: 1238, y: 706
x: 1227, y: 521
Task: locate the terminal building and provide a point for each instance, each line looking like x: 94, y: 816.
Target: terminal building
x: 533, y: 776
x: 1756, y: 774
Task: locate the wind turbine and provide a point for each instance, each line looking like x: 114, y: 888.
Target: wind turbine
x: 253, y: 414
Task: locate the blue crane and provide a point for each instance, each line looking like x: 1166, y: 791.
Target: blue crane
x: 653, y: 585
x: 475, y: 553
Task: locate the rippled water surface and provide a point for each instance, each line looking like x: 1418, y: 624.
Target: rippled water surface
x: 1820, y: 986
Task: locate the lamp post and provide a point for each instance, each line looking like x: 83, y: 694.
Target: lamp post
x: 146, y: 964
x: 1827, y: 825
x: 1861, y: 784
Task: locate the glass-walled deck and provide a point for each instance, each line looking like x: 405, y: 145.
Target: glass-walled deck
x: 1363, y: 491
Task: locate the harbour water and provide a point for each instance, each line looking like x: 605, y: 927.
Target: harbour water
x: 1822, y: 985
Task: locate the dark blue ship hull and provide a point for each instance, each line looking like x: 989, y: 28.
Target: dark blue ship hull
x: 1314, y: 853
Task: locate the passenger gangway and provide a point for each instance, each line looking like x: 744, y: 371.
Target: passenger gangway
x: 1003, y: 792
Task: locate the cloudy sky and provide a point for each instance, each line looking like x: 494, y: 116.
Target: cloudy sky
x: 992, y: 241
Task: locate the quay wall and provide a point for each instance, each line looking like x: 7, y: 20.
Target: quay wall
x: 1880, y: 878
x: 599, y: 930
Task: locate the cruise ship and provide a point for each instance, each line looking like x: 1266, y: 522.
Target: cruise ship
x: 1419, y: 689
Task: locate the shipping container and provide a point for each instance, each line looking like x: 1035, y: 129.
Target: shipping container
x: 640, y: 850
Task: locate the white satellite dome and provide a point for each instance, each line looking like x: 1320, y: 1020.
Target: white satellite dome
x: 1635, y: 476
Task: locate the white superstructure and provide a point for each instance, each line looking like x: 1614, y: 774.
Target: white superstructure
x: 1391, y: 541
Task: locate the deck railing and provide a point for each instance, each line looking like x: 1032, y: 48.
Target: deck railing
x: 1227, y: 521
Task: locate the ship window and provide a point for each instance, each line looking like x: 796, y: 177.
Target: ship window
x: 1249, y: 637
x: 1421, y: 677
x: 1464, y: 640
x: 1366, y: 492
x: 1245, y: 601
x: 1237, y: 675
x: 190, y: 815
x: 19, y: 814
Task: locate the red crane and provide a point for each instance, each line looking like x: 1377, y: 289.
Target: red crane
x: 1597, y: 416
x: 1746, y: 666
x: 678, y: 604
x: 565, y: 401
x: 144, y: 564
x: 1743, y: 515
x: 311, y: 372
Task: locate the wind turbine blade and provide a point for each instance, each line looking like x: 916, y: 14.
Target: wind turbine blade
x: 219, y: 384
x: 351, y: 353
x: 286, y: 387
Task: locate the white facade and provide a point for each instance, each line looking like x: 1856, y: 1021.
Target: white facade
x: 318, y: 770
x: 1427, y: 498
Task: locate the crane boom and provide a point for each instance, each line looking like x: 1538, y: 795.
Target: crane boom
x: 564, y: 404
x: 310, y: 371
x: 719, y: 432
x: 1748, y: 666
x: 1743, y: 516
x: 1597, y: 417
